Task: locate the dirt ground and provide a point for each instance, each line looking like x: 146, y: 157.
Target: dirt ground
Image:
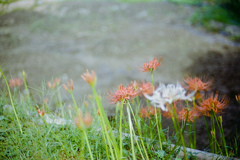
x: 63, y: 39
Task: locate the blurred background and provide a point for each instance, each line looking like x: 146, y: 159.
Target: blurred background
x: 63, y: 38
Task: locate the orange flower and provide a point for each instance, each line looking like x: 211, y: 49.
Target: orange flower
x: 122, y: 94
x: 51, y: 86
x: 144, y: 112
x: 152, y: 65
x: 57, y: 81
x: 83, y: 122
x: 14, y: 82
x: 196, y: 84
x: 146, y: 88
x: 147, y: 111
x: 90, y: 78
x: 213, y: 103
x: 41, y: 113
x: 70, y: 86
x: 192, y: 114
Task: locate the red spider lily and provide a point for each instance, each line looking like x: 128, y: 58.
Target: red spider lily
x: 213, y: 103
x: 41, y: 112
x: 147, y: 111
x: 15, y: 82
x: 152, y: 65
x: 146, y: 88
x: 83, y: 122
x: 196, y: 84
x: 51, y: 86
x: 70, y: 86
x: 122, y: 94
x: 135, y: 85
x: 192, y: 114
x: 90, y: 78
x: 57, y: 81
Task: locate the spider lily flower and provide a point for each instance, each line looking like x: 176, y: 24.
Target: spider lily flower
x: 90, y: 78
x: 173, y: 92
x: 15, y: 82
x: 70, y: 86
x: 152, y: 65
x: 197, y: 84
x: 168, y: 94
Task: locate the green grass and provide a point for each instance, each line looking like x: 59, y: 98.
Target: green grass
x: 26, y: 133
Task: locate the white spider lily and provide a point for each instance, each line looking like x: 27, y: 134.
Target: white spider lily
x: 168, y: 94
x: 157, y: 100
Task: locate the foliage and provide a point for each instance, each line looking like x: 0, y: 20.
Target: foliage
x: 43, y: 130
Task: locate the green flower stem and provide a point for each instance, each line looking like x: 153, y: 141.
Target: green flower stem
x: 195, y: 129
x: 105, y: 122
x: 174, y: 125
x: 181, y: 134
x: 131, y: 136
x: 120, y: 129
x: 209, y: 136
x: 106, y: 147
x: 74, y: 102
x: 10, y: 96
x: 105, y: 141
x: 179, y: 140
x: 60, y: 101
x: 220, y: 127
x: 152, y: 79
x: 160, y: 123
x: 89, y: 148
x: 139, y: 131
x: 214, y: 132
x: 26, y: 88
x: 190, y: 129
x: 159, y: 132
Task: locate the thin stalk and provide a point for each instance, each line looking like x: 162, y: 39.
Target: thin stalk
x: 74, y: 102
x: 131, y: 136
x: 139, y: 131
x: 159, y: 133
x: 10, y: 96
x: 214, y: 133
x: 105, y: 122
x: 89, y: 148
x: 194, y: 128
x: 181, y: 135
x: 190, y: 130
x: 209, y: 136
x: 220, y: 127
x: 26, y: 88
x: 179, y: 140
x: 120, y: 129
x: 60, y: 101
